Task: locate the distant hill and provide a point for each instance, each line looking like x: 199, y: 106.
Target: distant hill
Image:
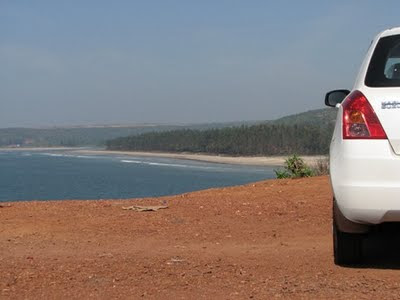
x: 99, y: 134
x: 75, y: 136
x: 324, y: 116
x: 88, y: 135
x: 305, y: 133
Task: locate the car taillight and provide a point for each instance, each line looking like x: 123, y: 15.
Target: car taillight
x: 359, y: 119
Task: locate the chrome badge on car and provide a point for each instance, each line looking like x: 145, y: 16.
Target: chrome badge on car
x: 390, y: 104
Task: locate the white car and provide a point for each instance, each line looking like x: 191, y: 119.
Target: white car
x: 365, y: 149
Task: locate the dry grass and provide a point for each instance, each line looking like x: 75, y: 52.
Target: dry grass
x: 321, y: 167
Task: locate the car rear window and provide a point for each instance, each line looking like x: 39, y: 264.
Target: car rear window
x: 384, y: 68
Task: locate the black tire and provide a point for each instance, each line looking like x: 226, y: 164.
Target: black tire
x: 347, y: 247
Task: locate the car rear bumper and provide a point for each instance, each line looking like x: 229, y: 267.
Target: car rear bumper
x: 365, y: 176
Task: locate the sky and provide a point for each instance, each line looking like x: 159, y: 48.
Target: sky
x: 178, y: 61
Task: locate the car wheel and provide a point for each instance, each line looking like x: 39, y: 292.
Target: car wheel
x: 347, y: 247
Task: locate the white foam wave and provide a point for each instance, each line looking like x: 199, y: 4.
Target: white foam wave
x: 52, y: 154
x: 165, y: 164
x: 67, y: 155
x: 132, y: 161
x: 168, y: 165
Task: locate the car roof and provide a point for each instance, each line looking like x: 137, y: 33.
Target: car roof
x: 389, y: 32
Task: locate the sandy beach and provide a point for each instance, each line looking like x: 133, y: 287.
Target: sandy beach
x: 240, y: 160
x: 271, y: 161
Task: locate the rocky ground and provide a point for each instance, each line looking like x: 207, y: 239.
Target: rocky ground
x: 259, y: 241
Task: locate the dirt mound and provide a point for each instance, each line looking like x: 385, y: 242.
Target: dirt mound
x: 262, y: 240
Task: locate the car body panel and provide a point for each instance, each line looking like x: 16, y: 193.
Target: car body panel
x: 389, y: 118
x: 365, y: 173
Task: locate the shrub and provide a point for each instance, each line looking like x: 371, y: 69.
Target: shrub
x: 321, y: 167
x: 295, y: 167
x: 281, y: 174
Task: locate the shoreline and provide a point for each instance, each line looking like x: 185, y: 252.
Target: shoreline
x: 270, y: 161
x: 266, y: 161
x: 39, y: 148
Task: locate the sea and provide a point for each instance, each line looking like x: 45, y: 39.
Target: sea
x: 61, y: 175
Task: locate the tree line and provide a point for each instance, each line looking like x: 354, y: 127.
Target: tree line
x: 262, y: 139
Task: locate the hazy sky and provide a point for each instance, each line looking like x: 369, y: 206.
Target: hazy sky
x: 85, y: 62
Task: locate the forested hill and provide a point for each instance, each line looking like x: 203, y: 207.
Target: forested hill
x: 98, y: 135
x: 74, y: 136
x: 305, y: 133
x: 88, y: 136
x: 314, y: 117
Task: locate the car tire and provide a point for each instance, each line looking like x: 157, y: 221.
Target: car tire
x: 347, y: 247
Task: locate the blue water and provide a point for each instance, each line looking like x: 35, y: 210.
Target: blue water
x: 56, y: 175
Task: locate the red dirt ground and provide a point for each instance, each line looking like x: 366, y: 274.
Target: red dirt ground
x: 258, y: 241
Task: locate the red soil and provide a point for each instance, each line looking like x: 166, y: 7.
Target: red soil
x: 262, y: 240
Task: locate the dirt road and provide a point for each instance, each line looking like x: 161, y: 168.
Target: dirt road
x: 259, y: 241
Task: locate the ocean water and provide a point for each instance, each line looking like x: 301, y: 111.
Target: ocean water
x: 57, y: 175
